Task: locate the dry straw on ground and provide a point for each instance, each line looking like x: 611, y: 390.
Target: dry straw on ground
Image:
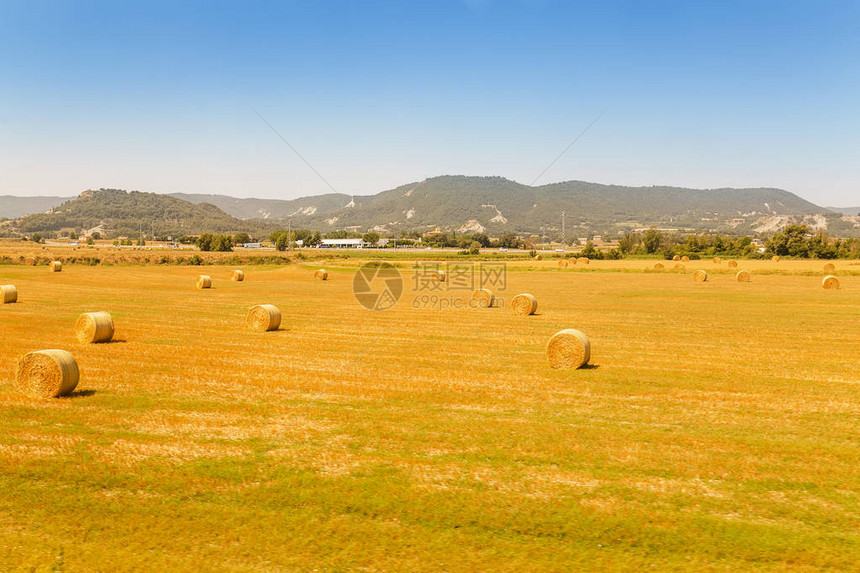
x: 204, y: 281
x: 562, y: 262
x: 700, y: 276
x: 568, y: 348
x: 56, y: 266
x: 659, y: 267
x: 8, y: 294
x: 47, y: 374
x: 583, y: 260
x: 524, y: 304
x: 321, y: 274
x: 685, y: 259
x: 264, y: 317
x: 743, y: 276
x: 829, y: 268
x: 238, y: 276
x: 775, y: 258
x: 94, y: 327
x: 733, y: 264
x: 830, y: 282
x: 484, y: 297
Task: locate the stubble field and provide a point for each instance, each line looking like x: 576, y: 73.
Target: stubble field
x: 717, y: 426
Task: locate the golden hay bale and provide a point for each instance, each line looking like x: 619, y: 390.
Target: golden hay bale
x: 743, y: 276
x: 56, y: 266
x: 676, y: 258
x: 524, y: 304
x: 717, y: 260
x: 679, y: 267
x: 685, y: 259
x: 238, y: 276
x: 484, y: 297
x: 440, y: 275
x: 321, y: 274
x: 829, y: 268
x: 538, y: 257
x: 700, y: 276
x: 583, y: 260
x: 94, y: 327
x: 47, y: 374
x: 733, y: 264
x: 568, y: 348
x: 830, y: 282
x: 8, y: 294
x: 562, y: 262
x: 204, y: 281
x: 775, y: 258
x: 659, y: 267
x: 30, y: 261
x: 264, y: 317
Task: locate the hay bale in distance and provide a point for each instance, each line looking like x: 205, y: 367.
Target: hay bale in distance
x: 440, y: 275
x: 264, y: 317
x: 583, y: 260
x: 238, y: 276
x: 700, y: 276
x: 659, y: 267
x: 743, y: 276
x: 562, y: 262
x: 204, y: 281
x: 676, y: 258
x: 485, y: 297
x: 538, y: 257
x: 30, y: 261
x: 679, y: 267
x: 829, y: 268
x: 8, y: 294
x: 568, y: 348
x: 685, y: 259
x: 524, y: 304
x: 56, y: 266
x: 47, y: 374
x: 733, y: 264
x: 775, y: 258
x: 321, y: 274
x: 717, y: 260
x: 94, y: 327
x: 830, y: 282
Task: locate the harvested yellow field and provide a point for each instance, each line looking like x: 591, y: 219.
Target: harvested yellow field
x: 714, y: 427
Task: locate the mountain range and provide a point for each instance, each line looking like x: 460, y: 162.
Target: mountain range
x: 492, y: 205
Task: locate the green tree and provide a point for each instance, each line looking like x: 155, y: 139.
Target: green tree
x: 510, y: 241
x: 653, y: 240
x: 628, y: 242
x: 371, y: 238
x: 204, y: 242
x: 241, y: 238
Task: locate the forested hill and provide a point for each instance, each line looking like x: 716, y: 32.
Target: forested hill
x: 124, y: 213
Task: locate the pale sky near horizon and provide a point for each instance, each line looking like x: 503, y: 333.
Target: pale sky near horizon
x: 164, y: 96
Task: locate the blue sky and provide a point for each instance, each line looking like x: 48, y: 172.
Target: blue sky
x: 164, y: 97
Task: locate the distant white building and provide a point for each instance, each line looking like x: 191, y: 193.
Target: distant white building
x: 343, y: 243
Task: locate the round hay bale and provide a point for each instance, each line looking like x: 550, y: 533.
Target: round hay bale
x: 321, y: 274
x: 775, y: 258
x: 700, y: 276
x: 829, y: 268
x: 538, y: 257
x: 562, y: 262
x: 524, y: 304
x: 264, y: 317
x: 47, y: 374
x: 685, y: 259
x: 94, y: 327
x: 8, y: 294
x: 659, y: 267
x: 238, y: 276
x: 676, y: 258
x: 56, y: 266
x: 717, y: 260
x: 568, y: 348
x: 830, y: 282
x: 583, y: 260
x: 440, y: 275
x: 733, y: 264
x: 30, y: 261
x: 679, y: 267
x: 484, y: 297
x: 204, y: 281
x: 743, y: 276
